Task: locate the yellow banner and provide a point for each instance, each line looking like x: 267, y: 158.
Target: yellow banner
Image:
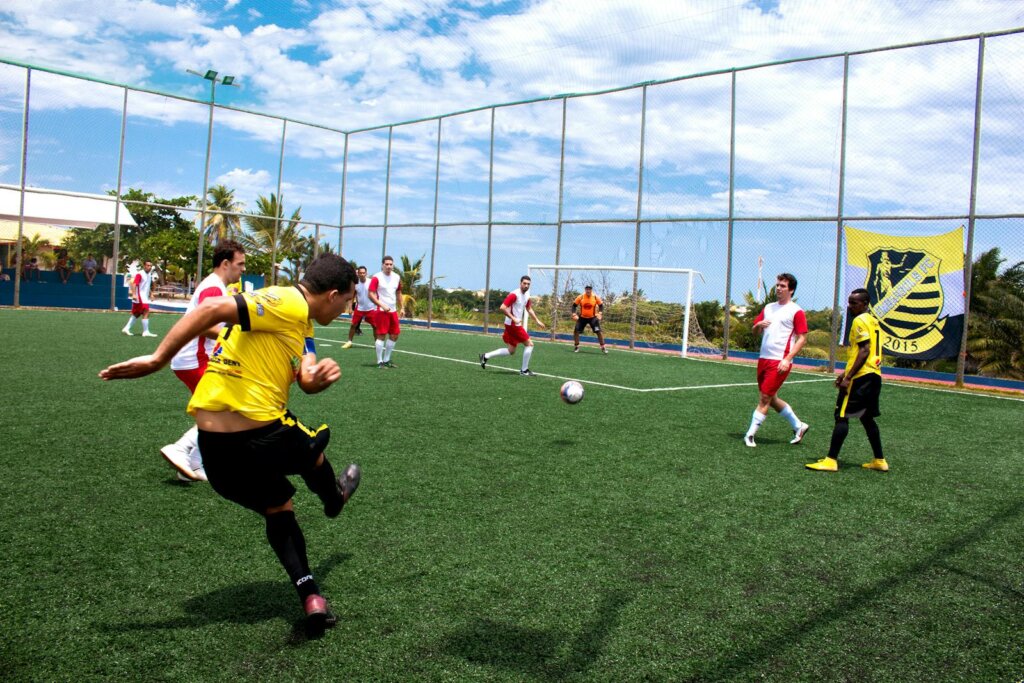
x: 949, y: 247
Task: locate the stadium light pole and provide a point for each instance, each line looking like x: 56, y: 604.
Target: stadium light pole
x: 214, y: 79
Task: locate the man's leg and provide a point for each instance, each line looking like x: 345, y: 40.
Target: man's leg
x: 527, y: 353
x: 575, y: 340
x: 378, y: 346
x: 875, y: 439
x: 786, y: 411
x: 389, y: 346
x: 496, y: 353
x: 830, y: 463
x: 145, y: 325
x: 127, y: 329
x: 757, y: 419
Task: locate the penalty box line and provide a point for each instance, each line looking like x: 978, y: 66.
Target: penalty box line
x: 577, y: 379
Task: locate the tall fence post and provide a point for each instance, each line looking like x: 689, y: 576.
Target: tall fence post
x: 387, y: 195
x: 344, y: 179
x: 206, y: 185
x: 117, y: 207
x: 961, y: 361
x: 279, y: 209
x: 19, y: 252
x: 558, y: 228
x: 639, y: 215
x: 490, y: 228
x: 840, y: 209
x: 732, y: 204
x: 433, y: 238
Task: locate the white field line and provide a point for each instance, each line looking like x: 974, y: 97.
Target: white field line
x: 582, y: 381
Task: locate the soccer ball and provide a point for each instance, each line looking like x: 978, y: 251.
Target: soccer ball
x: 571, y: 392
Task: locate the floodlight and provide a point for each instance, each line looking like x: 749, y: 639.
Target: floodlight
x: 211, y: 75
x: 227, y: 80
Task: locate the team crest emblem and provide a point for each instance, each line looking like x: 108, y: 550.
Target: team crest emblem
x: 906, y: 293
x: 259, y: 309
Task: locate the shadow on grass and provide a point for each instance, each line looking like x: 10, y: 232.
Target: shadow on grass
x: 545, y: 653
x: 750, y: 662
x: 246, y: 603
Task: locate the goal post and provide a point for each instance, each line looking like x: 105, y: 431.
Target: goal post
x: 644, y: 306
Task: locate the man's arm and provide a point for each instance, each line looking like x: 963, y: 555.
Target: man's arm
x: 314, y: 377
x: 863, y: 351
x: 508, y: 312
x: 575, y: 316
x: 798, y: 343
x: 221, y: 309
x: 529, y: 309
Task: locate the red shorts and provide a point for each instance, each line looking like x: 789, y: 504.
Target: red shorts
x: 191, y: 377
x: 515, y: 335
x: 769, y: 379
x: 139, y: 309
x: 385, y: 323
x: 357, y: 316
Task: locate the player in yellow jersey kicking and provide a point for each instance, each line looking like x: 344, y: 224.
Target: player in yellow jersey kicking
x: 859, y: 386
x: 249, y: 439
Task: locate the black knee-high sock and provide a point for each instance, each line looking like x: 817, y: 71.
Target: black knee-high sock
x: 874, y: 436
x: 321, y: 481
x: 286, y: 539
x: 839, y: 433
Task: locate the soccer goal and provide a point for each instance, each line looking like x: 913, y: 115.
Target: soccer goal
x: 645, y: 307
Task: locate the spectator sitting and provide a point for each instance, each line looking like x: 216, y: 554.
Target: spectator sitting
x: 62, y: 266
x: 89, y: 269
x: 31, y: 266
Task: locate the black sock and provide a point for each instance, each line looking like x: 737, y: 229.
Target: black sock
x: 321, y: 481
x: 874, y: 436
x: 839, y: 433
x: 286, y: 539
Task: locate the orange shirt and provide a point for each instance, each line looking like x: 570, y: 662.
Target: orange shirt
x: 588, y: 304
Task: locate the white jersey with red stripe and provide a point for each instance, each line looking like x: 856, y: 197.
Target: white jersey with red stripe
x: 197, y: 351
x: 363, y: 302
x: 387, y: 288
x: 143, y: 281
x: 518, y: 302
x: 786, y: 320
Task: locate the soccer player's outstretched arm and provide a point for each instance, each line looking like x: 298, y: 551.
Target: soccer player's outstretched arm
x: 213, y: 311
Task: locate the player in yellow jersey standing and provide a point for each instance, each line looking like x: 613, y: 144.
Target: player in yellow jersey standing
x: 859, y: 386
x: 249, y: 439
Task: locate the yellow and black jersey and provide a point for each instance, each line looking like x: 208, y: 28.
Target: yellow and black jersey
x: 865, y: 328
x: 255, y: 362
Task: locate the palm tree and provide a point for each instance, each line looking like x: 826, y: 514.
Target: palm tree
x: 221, y: 199
x: 262, y: 225
x: 37, y: 246
x: 410, y: 276
x: 996, y: 342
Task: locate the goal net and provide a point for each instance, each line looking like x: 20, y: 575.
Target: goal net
x: 643, y: 307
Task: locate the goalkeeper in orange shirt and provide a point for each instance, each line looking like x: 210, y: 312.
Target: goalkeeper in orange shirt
x: 591, y: 311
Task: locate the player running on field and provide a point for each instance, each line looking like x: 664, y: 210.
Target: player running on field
x: 385, y: 291
x: 591, y: 312
x: 138, y: 289
x: 515, y: 307
x: 250, y: 441
x: 190, y: 362
x: 783, y: 327
x: 364, y: 308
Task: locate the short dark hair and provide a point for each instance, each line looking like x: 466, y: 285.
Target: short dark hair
x: 863, y: 293
x: 327, y: 272
x: 790, y: 280
x: 361, y: 268
x: 387, y: 258
x: 226, y: 251
x: 525, y: 277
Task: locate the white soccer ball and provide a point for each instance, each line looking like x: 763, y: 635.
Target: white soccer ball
x: 571, y: 392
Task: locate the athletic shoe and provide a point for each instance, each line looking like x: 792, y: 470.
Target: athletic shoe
x: 604, y: 350
x: 127, y: 332
x: 380, y: 366
x: 826, y: 464
x: 347, y: 345
x: 877, y: 464
x: 389, y: 364
x: 318, y: 616
x: 798, y: 434
x: 148, y: 334
x: 347, y: 483
x: 483, y: 361
x: 749, y: 440
x: 177, y: 456
x: 575, y: 349
x: 527, y: 373
x: 195, y: 461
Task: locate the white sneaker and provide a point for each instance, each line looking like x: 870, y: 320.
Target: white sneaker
x: 604, y: 350
x: 749, y: 440
x: 575, y: 349
x: 126, y: 331
x: 148, y: 334
x: 347, y: 345
x: 177, y: 456
x: 798, y: 435
x: 195, y: 461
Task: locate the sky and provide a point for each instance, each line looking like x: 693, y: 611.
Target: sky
x: 356, y: 65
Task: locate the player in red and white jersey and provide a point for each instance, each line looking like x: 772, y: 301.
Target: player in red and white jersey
x: 784, y: 331
x: 515, y: 307
x: 139, y: 286
x: 385, y: 291
x: 362, y: 308
x: 189, y: 363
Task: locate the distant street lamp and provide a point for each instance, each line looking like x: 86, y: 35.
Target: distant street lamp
x: 211, y: 76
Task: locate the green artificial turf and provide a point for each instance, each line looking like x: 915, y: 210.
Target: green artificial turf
x: 502, y: 535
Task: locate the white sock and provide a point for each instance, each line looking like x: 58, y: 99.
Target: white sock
x: 527, y: 352
x: 379, y: 348
x: 145, y: 324
x: 189, y: 439
x: 788, y: 413
x: 497, y: 353
x: 389, y: 346
x: 755, y: 422
x: 131, y: 321
x: 195, y: 459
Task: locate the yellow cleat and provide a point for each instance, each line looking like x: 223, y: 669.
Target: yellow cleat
x: 347, y: 345
x: 877, y: 464
x: 826, y: 464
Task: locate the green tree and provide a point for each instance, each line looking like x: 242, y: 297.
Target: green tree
x: 996, y: 337
x: 222, y: 222
x: 258, y: 237
x: 410, y: 275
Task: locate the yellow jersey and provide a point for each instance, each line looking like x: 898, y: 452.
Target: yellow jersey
x: 865, y: 328
x: 255, y: 362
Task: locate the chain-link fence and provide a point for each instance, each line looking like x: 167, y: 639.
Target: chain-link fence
x: 739, y: 173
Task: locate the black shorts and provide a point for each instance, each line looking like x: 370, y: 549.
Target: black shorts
x: 594, y: 323
x: 861, y: 398
x: 251, y: 468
